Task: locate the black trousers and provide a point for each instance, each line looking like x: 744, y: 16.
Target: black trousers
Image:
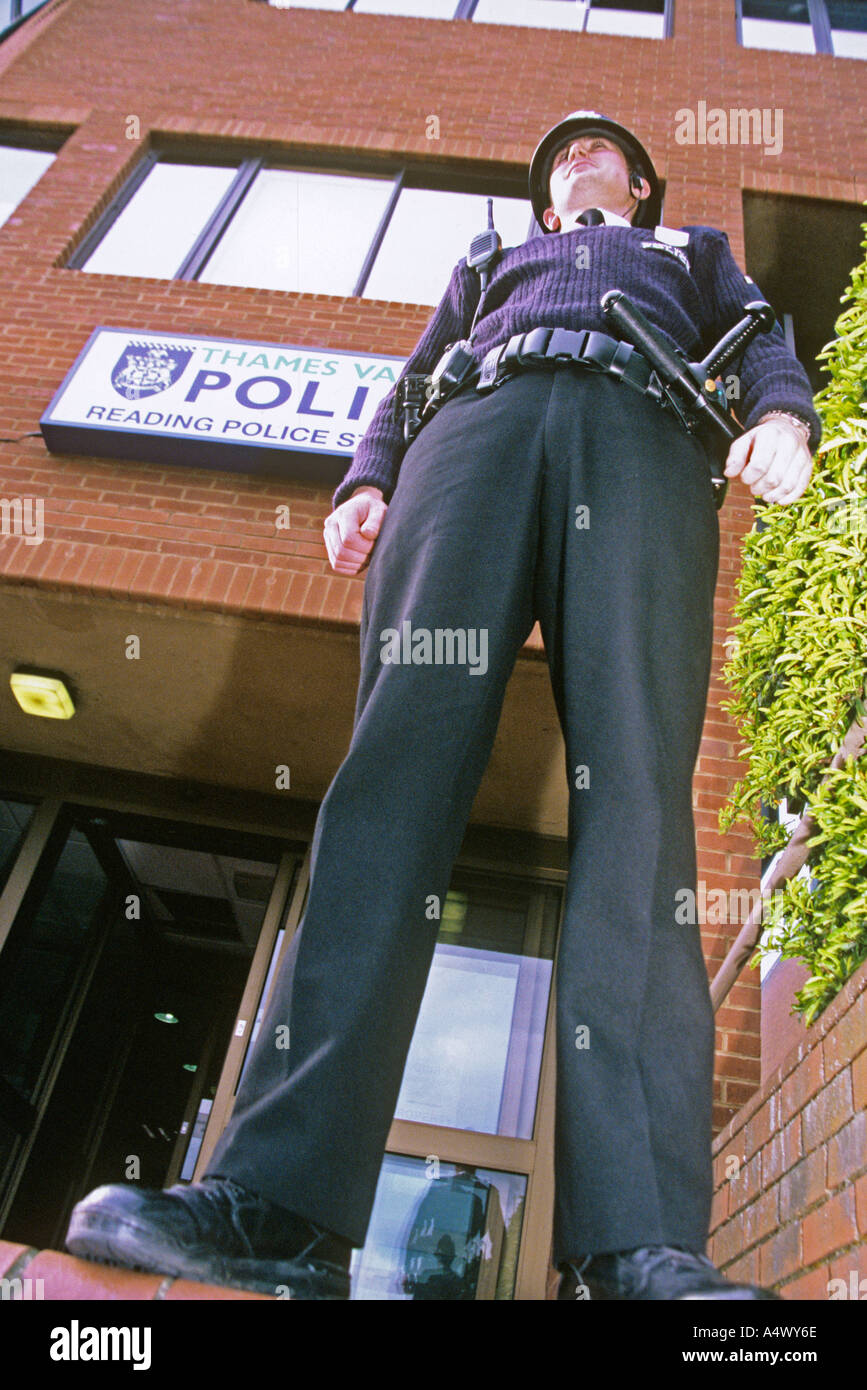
x: 481, y: 534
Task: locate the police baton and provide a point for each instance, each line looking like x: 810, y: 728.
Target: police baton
x: 690, y: 386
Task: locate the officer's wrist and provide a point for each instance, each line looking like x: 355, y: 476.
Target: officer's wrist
x: 800, y: 425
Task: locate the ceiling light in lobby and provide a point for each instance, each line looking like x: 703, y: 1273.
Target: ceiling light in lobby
x: 41, y: 694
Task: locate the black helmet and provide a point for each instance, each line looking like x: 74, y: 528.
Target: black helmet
x: 647, y: 213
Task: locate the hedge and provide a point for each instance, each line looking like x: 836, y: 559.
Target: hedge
x: 797, y: 662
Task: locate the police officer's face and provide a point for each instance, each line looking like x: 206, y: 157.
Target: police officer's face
x: 588, y: 171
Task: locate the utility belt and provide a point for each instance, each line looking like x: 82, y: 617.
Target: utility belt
x: 648, y: 364
x: 542, y: 346
x: 419, y: 397
x: 539, y: 348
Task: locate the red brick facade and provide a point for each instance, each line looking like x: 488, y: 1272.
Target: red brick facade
x: 790, y: 1209
x: 239, y: 74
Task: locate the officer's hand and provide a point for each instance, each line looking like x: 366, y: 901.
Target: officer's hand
x: 352, y: 528
x: 772, y: 459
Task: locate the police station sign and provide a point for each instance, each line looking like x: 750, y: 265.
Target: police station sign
x: 219, y: 403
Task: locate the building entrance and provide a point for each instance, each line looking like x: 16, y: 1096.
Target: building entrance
x: 122, y: 975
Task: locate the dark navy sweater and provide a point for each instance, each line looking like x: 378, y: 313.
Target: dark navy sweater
x: 550, y: 280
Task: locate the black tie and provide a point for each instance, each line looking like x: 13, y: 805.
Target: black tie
x: 591, y: 218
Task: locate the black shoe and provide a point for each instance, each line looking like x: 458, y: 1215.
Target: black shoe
x: 651, y: 1272
x: 214, y: 1231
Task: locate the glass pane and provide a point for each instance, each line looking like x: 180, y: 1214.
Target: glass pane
x: 196, y: 1137
x: 40, y: 961
x: 784, y: 11
x: 476, y: 1050
x: 429, y: 231
x: 10, y: 1139
x: 211, y: 905
x: 779, y: 24
x: 421, y: 9
x: 260, y: 1012
x: 848, y: 44
x: 5, y: 13
x: 162, y: 220
x: 214, y: 898
x: 538, y: 14
x: 848, y: 19
x: 15, y: 817
x: 791, y: 38
x: 300, y: 231
x: 440, y: 1231
x: 848, y: 14
x: 19, y: 171
x: 641, y: 20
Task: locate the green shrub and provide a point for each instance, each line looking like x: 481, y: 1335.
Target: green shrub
x: 798, y: 664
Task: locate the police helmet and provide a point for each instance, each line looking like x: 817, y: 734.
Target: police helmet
x: 649, y: 210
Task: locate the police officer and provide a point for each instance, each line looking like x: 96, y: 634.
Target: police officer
x: 554, y: 482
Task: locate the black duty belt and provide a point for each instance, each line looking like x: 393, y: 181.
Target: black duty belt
x: 543, y: 346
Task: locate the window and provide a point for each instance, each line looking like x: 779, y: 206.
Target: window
x: 421, y: 9
x: 639, y: 18
x: 454, y: 1185
x: 804, y: 26
x: 314, y: 231
x: 848, y: 21
x: 13, y: 10
x: 800, y: 251
x: 449, y: 1232
x: 650, y: 19
x: 20, y: 168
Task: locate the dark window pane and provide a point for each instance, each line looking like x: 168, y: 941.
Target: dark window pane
x: 15, y: 817
x: 784, y: 11
x: 40, y: 961
x: 848, y: 28
x: 642, y: 6
x: 777, y: 24
x: 848, y: 14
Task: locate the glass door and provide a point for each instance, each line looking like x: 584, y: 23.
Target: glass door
x: 468, y: 1171
x: 119, y: 985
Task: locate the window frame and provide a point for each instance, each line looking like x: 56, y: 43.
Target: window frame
x: 819, y: 22
x: 19, y: 18
x: 487, y: 181
x: 465, y: 9
x: 17, y: 137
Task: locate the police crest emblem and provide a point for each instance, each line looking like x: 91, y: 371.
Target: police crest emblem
x: 143, y: 369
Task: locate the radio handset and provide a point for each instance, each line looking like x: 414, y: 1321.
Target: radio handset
x: 457, y: 360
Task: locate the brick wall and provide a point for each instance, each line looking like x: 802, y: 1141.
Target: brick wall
x: 790, y: 1208
x: 246, y: 75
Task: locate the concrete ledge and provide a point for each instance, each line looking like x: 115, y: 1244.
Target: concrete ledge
x: 32, y: 1274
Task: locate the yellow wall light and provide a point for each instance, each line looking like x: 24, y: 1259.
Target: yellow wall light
x: 46, y: 696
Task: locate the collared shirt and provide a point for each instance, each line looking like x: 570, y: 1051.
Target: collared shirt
x: 612, y: 219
